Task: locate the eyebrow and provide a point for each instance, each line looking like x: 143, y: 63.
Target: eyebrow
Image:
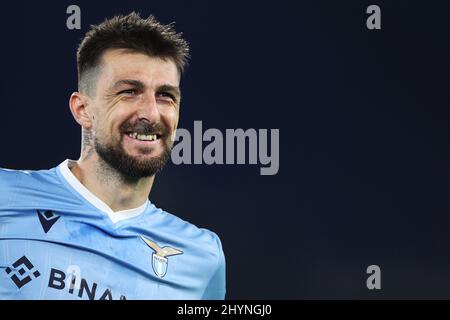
x: 135, y: 83
x: 141, y: 86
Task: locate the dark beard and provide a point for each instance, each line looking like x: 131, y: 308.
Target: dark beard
x: 128, y: 166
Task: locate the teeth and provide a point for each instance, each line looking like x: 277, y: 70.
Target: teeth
x: 143, y: 137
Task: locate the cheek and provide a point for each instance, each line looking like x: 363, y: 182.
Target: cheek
x: 108, y: 131
x: 170, y: 118
x: 113, y: 121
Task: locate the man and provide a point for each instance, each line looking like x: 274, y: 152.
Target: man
x: 86, y: 229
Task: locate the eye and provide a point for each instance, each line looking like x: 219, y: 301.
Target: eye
x: 166, y: 96
x: 129, y: 92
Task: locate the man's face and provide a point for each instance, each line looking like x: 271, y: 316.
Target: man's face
x: 136, y: 109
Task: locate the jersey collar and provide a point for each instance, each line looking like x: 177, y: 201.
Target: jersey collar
x: 64, y: 169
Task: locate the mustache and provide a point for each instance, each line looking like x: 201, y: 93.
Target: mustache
x: 144, y: 128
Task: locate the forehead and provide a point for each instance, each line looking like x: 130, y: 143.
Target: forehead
x: 117, y: 64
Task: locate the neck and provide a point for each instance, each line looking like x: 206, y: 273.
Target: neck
x: 118, y: 192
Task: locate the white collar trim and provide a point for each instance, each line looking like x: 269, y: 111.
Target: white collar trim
x: 64, y: 169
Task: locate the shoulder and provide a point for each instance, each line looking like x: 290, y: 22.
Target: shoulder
x: 204, y: 242
x: 199, y: 236
x: 10, y: 177
x: 23, y: 182
x: 6, y: 174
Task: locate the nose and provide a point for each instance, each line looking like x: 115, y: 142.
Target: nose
x: 148, y: 108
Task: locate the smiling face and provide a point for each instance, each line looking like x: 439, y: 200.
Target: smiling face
x: 135, y: 110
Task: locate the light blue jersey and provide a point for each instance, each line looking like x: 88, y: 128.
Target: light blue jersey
x: 59, y: 241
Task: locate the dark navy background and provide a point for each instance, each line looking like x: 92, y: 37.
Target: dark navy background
x: 364, y: 134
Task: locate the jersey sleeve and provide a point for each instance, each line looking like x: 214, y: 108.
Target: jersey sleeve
x: 216, y: 288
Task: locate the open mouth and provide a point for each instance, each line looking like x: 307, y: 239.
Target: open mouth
x: 144, y: 137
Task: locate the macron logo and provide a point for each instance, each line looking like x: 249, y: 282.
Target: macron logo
x: 47, y: 219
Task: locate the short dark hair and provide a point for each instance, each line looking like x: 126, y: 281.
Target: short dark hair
x: 130, y: 32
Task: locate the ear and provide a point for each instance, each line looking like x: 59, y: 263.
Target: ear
x: 79, y: 106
